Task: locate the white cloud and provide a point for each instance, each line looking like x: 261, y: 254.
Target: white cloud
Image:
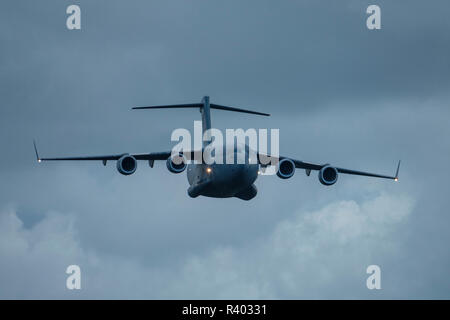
x: 309, y: 255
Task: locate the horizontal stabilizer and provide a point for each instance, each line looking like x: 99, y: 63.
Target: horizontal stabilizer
x: 216, y: 106
x: 172, y: 106
x: 199, y: 105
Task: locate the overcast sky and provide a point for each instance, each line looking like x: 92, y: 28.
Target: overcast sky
x: 338, y: 92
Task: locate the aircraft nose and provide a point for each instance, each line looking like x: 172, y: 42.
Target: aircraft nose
x: 237, y: 175
x: 225, y: 173
x: 232, y: 175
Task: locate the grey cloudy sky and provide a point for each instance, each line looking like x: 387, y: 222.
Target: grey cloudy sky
x: 338, y: 92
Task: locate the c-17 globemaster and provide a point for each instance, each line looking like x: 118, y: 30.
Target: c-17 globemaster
x: 220, y: 180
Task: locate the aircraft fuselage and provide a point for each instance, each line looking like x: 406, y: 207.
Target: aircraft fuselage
x: 224, y: 180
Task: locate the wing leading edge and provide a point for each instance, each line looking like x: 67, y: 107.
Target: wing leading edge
x: 138, y: 156
x: 312, y: 166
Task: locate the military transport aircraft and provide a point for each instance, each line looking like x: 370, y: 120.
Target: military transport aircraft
x: 221, y: 180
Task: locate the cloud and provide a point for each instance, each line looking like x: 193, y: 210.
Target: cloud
x: 312, y: 254
x: 323, y: 251
x: 338, y: 92
x: 35, y: 259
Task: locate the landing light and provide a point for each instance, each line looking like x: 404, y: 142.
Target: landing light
x: 395, y: 179
x: 208, y: 170
x: 39, y: 160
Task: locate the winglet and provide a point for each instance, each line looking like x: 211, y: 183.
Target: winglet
x: 398, y: 168
x: 35, y: 150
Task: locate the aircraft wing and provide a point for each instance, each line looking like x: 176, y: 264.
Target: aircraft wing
x: 312, y: 166
x: 152, y: 156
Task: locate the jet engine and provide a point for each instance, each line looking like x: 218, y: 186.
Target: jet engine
x: 126, y: 165
x: 176, y: 164
x: 328, y: 175
x: 286, y: 168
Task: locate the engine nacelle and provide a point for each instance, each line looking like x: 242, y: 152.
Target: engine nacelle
x: 176, y: 164
x: 286, y: 168
x: 126, y: 165
x: 328, y: 175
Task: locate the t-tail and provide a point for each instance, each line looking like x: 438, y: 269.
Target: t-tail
x: 205, y: 109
